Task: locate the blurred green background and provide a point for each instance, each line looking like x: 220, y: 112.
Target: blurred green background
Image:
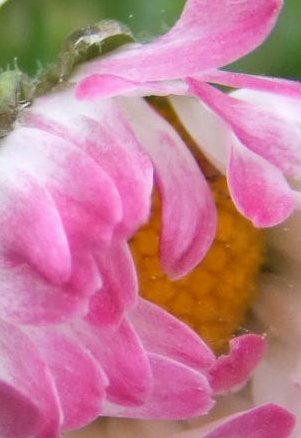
x: 32, y: 31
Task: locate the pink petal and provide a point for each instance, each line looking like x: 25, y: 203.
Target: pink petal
x: 85, y: 195
x: 184, y: 241
x: 31, y: 228
x: 120, y: 353
x: 266, y: 421
x: 98, y: 129
x: 163, y: 334
x: 258, y: 189
x: 28, y: 298
x: 119, y: 290
x: 206, y: 36
x: 233, y: 370
x: 28, y: 401
x: 263, y: 130
x: 98, y: 86
x: 208, y: 130
x: 277, y: 86
x: 79, y: 380
x: 179, y: 392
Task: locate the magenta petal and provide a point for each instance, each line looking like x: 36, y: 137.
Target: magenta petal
x: 161, y: 333
x: 28, y: 402
x: 277, y: 86
x: 184, y: 241
x: 179, y: 392
x: 79, y: 380
x: 267, y: 421
x: 119, y: 290
x: 231, y: 371
x: 206, y: 36
x: 266, y: 131
x: 120, y: 353
x: 258, y: 189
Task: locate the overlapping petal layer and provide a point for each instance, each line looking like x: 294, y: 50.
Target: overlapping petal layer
x: 76, y: 183
x: 185, y: 241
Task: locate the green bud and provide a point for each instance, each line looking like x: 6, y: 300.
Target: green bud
x: 16, y: 91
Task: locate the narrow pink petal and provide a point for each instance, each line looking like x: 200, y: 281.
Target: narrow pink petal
x: 184, y: 241
x: 98, y: 86
x: 258, y: 189
x: 120, y: 353
x: 266, y: 421
x: 161, y: 333
x: 179, y: 392
x: 206, y: 36
x: 265, y: 130
x: 119, y: 290
x: 31, y: 227
x: 277, y: 86
x: 98, y: 129
x: 79, y: 380
x: 28, y: 401
x: 231, y: 371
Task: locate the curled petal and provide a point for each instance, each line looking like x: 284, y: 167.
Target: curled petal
x: 120, y: 353
x: 264, y: 129
x: 184, y: 241
x: 201, y: 39
x: 28, y: 399
x: 161, y: 333
x: 258, y: 189
x: 79, y: 380
x: 99, y: 130
x: 179, y: 392
x: 119, y: 290
x: 231, y: 371
x: 31, y: 228
x: 86, y: 197
x: 27, y: 298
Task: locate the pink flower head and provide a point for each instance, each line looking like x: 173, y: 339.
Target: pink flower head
x: 76, y: 185
x: 77, y: 174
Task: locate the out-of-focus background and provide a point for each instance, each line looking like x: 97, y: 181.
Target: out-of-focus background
x: 32, y: 31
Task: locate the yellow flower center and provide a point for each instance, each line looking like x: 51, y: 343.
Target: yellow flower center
x: 215, y: 298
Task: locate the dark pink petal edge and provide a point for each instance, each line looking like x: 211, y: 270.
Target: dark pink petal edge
x: 232, y: 371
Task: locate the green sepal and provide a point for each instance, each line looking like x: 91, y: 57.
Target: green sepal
x: 81, y: 46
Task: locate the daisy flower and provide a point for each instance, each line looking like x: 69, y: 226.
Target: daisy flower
x: 92, y: 162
